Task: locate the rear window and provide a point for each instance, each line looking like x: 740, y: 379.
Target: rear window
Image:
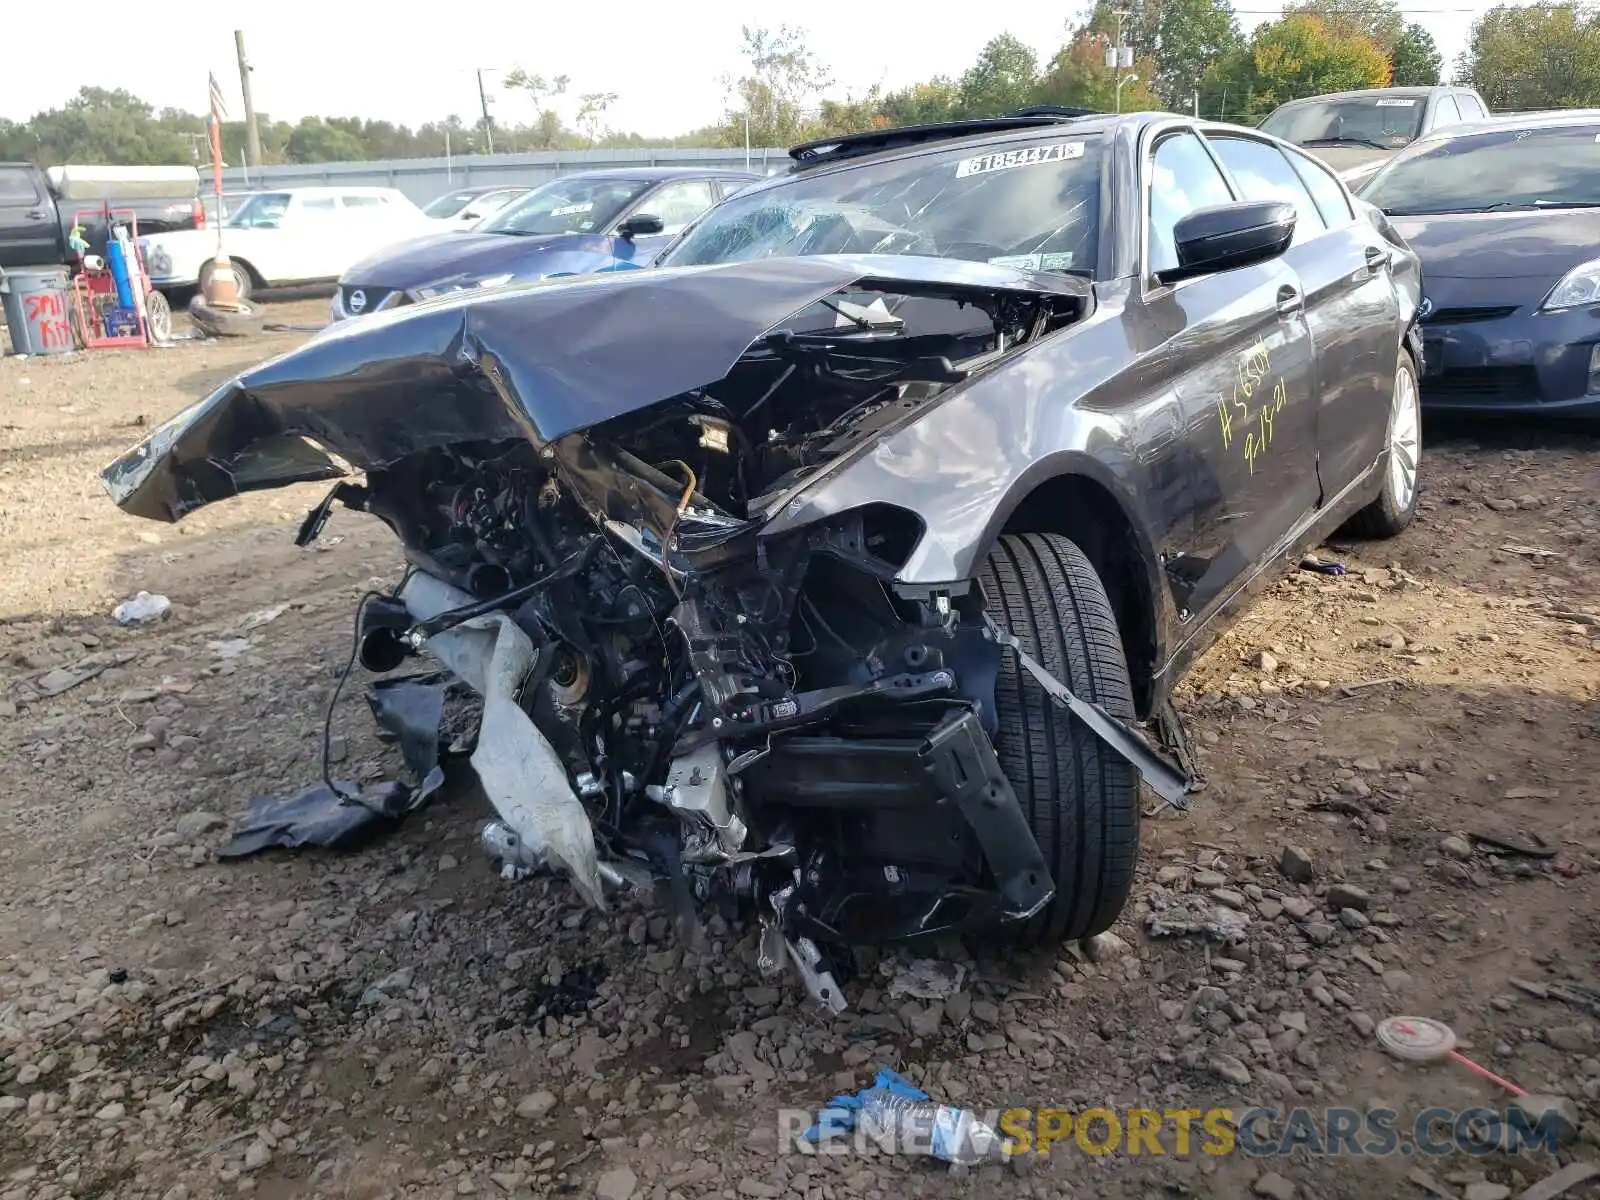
x: 1031, y: 205
x: 1503, y: 169
x: 1382, y: 122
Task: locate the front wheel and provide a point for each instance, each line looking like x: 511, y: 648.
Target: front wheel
x: 1080, y: 797
x: 1396, y: 503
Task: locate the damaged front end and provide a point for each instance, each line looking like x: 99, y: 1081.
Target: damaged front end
x: 583, y: 478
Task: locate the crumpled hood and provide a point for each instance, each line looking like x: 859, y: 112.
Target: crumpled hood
x: 1540, y: 246
x: 539, y: 361
x: 438, y: 257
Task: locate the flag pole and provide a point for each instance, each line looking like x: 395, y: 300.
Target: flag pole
x: 220, y: 289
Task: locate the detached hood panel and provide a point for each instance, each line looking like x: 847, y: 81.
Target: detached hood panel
x: 538, y: 362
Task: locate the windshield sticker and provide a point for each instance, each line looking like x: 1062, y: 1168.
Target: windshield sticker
x: 1397, y: 103
x: 1031, y: 157
x: 1061, y: 261
x: 567, y: 210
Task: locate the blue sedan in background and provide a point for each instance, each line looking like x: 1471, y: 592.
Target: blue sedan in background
x: 1505, y: 215
x: 575, y: 225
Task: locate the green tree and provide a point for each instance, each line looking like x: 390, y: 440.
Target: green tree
x: 780, y: 90
x: 1415, y: 58
x: 1004, y: 79
x: 1521, y: 58
x: 1379, y: 21
x: 1286, y: 60
x: 922, y: 103
x: 1079, y: 78
x: 592, y: 110
x: 315, y: 140
x: 546, y: 129
x: 1180, y: 38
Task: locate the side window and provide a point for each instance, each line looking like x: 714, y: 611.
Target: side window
x: 732, y: 187
x: 1446, y: 113
x: 1182, y: 179
x: 17, y: 187
x: 315, y: 208
x: 1327, y: 191
x: 358, y: 200
x: 1471, y: 110
x: 679, y: 203
x: 1262, y: 174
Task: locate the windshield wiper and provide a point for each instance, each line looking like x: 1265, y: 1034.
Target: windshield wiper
x: 1345, y: 141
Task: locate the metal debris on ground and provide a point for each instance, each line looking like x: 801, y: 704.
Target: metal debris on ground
x: 901, y: 1118
x: 923, y: 978
x: 1197, y: 916
x: 142, y: 609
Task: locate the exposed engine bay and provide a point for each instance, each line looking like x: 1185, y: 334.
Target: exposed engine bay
x: 676, y: 690
x: 770, y: 721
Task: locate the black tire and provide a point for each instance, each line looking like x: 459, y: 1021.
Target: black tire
x: 1392, y: 510
x: 242, y: 279
x: 223, y: 322
x: 1081, y: 799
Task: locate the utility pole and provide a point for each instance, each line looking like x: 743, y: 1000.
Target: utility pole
x: 488, y: 121
x: 252, y: 135
x: 1120, y: 57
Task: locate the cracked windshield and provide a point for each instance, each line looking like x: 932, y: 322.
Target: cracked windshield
x: 1033, y: 206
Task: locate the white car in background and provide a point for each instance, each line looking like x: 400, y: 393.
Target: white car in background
x: 465, y: 207
x: 287, y: 237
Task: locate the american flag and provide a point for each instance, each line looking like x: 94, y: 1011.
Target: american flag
x: 219, y: 110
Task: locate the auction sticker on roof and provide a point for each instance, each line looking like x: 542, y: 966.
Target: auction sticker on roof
x: 1030, y: 156
x: 1397, y: 103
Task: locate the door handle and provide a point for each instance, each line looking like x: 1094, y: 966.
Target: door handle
x: 35, y: 215
x: 1290, y: 301
x: 1377, y: 259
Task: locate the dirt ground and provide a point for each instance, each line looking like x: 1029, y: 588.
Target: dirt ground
x: 400, y: 1021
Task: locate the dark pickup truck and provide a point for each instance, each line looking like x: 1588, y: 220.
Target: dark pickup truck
x: 37, y: 212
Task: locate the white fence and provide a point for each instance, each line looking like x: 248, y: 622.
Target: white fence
x: 424, y: 179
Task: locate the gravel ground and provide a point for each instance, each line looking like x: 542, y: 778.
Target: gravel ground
x: 402, y: 1022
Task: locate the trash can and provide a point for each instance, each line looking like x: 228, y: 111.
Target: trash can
x: 38, y: 308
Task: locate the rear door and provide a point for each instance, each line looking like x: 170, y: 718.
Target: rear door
x: 1237, y: 349
x: 1356, y: 328
x: 1351, y: 311
x: 30, y: 232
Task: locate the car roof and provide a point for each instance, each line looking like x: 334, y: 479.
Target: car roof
x: 1380, y: 92
x: 831, y: 154
x: 1556, y: 118
x: 655, y: 174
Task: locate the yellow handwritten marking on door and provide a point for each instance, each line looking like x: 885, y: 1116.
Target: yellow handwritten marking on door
x: 1250, y: 372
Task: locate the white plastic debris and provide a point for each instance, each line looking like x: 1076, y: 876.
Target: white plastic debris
x: 142, y: 609
x: 520, y: 771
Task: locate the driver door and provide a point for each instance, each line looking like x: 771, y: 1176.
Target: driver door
x: 678, y: 203
x: 1234, y: 350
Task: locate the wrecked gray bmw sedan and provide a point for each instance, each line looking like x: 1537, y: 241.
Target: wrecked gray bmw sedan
x: 830, y: 565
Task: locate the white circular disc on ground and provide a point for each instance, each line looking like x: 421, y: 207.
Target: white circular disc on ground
x: 1416, y: 1039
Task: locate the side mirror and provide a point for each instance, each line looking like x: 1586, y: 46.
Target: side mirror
x: 470, y: 214
x: 1228, y: 236
x: 639, y: 225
